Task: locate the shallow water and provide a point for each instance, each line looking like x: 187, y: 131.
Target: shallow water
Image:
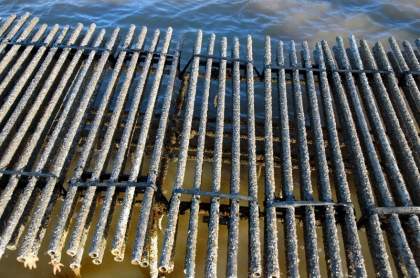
x: 287, y: 20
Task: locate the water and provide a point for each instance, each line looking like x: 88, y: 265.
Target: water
x: 301, y: 20
x: 286, y: 20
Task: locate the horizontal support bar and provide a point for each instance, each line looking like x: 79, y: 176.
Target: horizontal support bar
x: 38, y: 44
x: 107, y: 176
x: 216, y: 195
x: 116, y: 184
x: 287, y: 68
x: 21, y: 173
x: 387, y: 211
x: 141, y: 51
x: 222, y: 58
x: 293, y: 68
x: 361, y: 71
x: 294, y: 204
x: 81, y: 47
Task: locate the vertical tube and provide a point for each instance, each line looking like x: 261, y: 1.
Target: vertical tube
x: 60, y: 231
x: 101, y: 249
x: 76, y: 260
x: 287, y: 169
x: 15, y: 48
x: 70, y: 140
x: 254, y: 249
x: 22, y: 57
x: 105, y: 148
x: 355, y: 262
x: 7, y: 24
x: 233, y: 239
x: 119, y: 239
x: 169, y: 239
x: 126, y: 137
x: 213, y: 233
x: 5, y: 160
x: 329, y: 229
x: 195, y: 200
x: 23, y: 221
x: 271, y: 260
x: 364, y: 193
x: 14, y: 30
x: 410, y: 82
x: 312, y: 264
x: 394, y: 176
x: 154, y: 271
x: 398, y: 101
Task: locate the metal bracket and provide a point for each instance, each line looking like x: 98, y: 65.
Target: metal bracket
x: 386, y: 211
x: 216, y: 195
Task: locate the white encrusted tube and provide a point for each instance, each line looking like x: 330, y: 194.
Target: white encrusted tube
x: 213, y: 232
x: 105, y: 149
x: 198, y: 173
x: 169, y: 239
x: 69, y: 142
x: 60, y: 231
x: 121, y: 155
x: 122, y: 225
